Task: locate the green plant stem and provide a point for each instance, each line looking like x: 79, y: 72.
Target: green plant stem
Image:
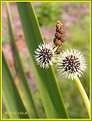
x: 83, y: 94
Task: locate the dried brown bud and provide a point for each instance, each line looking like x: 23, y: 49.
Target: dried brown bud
x: 58, y: 42
x: 58, y: 25
x: 61, y: 30
x: 62, y: 38
x: 58, y: 22
x: 57, y: 35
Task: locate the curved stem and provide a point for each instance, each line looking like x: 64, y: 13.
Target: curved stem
x: 83, y: 94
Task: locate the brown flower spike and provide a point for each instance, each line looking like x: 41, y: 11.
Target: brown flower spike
x: 59, y: 36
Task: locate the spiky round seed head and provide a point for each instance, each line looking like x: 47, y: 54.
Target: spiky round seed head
x: 71, y: 63
x: 43, y: 56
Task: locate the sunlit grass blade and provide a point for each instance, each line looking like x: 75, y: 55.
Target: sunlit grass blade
x: 49, y: 90
x: 11, y: 97
x: 29, y: 101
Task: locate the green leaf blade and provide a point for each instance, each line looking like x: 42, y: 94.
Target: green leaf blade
x: 50, y: 92
x: 29, y: 101
x: 11, y: 96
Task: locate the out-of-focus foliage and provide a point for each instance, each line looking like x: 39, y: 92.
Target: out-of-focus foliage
x: 47, y: 12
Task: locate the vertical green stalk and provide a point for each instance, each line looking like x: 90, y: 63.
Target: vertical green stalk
x: 83, y: 94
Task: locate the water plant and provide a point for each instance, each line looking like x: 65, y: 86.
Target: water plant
x: 69, y: 63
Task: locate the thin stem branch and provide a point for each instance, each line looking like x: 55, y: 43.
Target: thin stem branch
x: 83, y: 94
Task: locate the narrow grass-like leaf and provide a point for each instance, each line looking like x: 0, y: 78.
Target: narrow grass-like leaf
x: 50, y: 92
x: 11, y: 97
x: 30, y: 105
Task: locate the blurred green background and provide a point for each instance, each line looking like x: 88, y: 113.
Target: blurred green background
x: 76, y: 19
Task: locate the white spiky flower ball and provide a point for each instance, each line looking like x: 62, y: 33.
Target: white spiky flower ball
x: 71, y: 63
x: 44, y: 55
